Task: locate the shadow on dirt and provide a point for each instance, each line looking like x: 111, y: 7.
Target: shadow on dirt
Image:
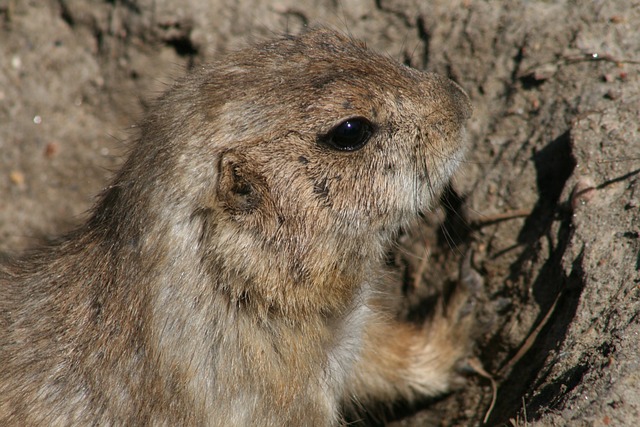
x: 555, y: 293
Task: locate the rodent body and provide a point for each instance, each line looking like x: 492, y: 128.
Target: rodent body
x: 229, y: 274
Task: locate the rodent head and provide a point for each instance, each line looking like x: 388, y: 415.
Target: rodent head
x: 305, y: 154
x: 300, y: 101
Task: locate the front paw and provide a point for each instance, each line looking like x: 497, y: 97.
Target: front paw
x: 454, y: 325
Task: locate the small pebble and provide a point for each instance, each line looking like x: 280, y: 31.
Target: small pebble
x: 583, y: 191
x: 17, y: 178
x: 51, y: 149
x: 613, y: 94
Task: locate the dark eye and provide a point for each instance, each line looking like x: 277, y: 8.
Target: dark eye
x: 349, y: 135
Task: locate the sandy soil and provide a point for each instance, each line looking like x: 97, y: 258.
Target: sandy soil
x: 548, y: 200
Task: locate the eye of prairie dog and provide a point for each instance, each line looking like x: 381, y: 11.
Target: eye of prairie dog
x: 349, y: 135
x: 232, y: 273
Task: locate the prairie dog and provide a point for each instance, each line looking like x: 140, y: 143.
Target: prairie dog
x: 229, y: 274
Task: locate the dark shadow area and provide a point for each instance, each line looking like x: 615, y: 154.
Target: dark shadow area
x: 550, y: 395
x: 554, y: 165
x: 527, y: 374
x: 456, y: 229
x: 380, y: 415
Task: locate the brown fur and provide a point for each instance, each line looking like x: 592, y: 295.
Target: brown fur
x: 228, y: 274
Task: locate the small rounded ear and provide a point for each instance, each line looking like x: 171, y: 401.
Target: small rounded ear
x: 239, y: 188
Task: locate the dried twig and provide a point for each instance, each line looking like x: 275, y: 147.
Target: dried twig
x: 530, y: 339
x: 484, y: 220
x: 475, y: 364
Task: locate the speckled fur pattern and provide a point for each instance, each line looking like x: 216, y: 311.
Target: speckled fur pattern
x: 229, y: 274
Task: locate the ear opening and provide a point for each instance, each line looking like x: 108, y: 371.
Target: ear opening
x: 240, y: 188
